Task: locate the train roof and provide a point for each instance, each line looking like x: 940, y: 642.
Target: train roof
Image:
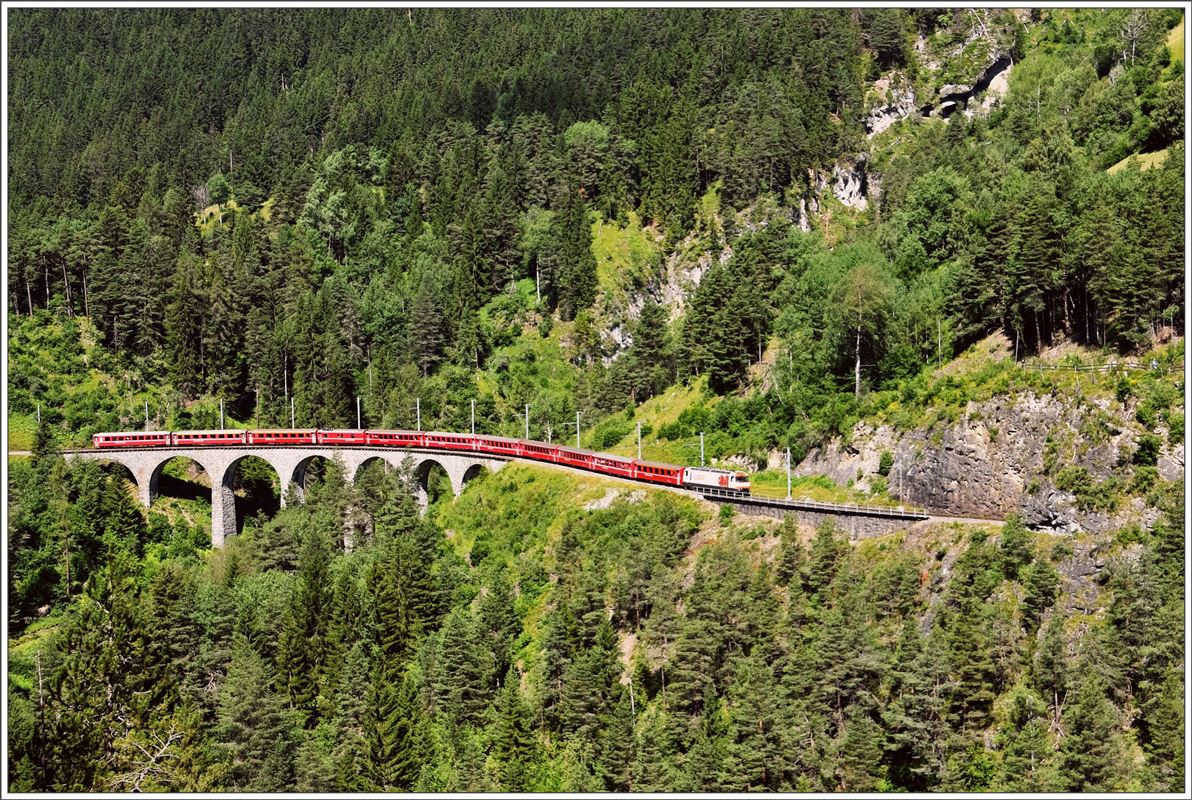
x: 565, y: 449
x: 281, y: 430
x: 226, y: 430
x: 612, y: 456
x: 721, y: 471
x: 131, y: 433
x: 656, y: 464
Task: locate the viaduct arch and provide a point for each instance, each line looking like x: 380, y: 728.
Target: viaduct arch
x: 290, y: 463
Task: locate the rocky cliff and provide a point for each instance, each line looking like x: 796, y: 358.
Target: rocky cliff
x: 1008, y: 454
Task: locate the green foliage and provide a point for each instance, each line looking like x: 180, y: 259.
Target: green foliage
x: 257, y: 231
x: 885, y: 461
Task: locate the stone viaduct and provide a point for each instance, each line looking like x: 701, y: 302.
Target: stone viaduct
x: 289, y: 462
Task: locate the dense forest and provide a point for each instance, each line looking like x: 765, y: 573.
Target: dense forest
x: 259, y: 207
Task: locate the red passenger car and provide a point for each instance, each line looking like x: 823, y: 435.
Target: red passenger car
x: 612, y: 465
x: 343, y: 437
x: 209, y: 438
x: 541, y: 452
x: 395, y: 438
x: 449, y: 441
x: 575, y: 458
x: 274, y: 437
x: 132, y: 439
x: 499, y: 445
x: 666, y: 474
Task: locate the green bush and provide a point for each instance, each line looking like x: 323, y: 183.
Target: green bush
x: 611, y: 431
x: 884, y: 463
x: 1124, y: 388
x: 1144, y: 479
x: 1147, y: 452
x: 1175, y: 426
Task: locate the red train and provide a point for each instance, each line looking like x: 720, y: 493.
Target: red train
x: 651, y: 472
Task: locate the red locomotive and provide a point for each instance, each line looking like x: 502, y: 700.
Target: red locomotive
x: 697, y: 478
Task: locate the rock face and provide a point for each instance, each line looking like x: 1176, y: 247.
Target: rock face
x: 992, y: 81
x: 895, y: 101
x: 991, y: 463
x: 848, y: 184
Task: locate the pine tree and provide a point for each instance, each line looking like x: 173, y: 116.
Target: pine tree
x: 252, y: 727
x: 1027, y: 751
x: 858, y: 760
x: 649, y: 356
x: 302, y: 649
x: 616, y: 742
x: 790, y: 552
x: 656, y: 765
x: 499, y: 622
x: 105, y: 684
x: 345, y: 625
x: 1093, y: 754
x: 587, y: 685
x: 466, y: 668
x: 756, y: 725
x: 913, y: 714
x: 826, y: 551
x: 427, y: 333
x: 576, y: 288
x: 972, y: 666
x: 125, y: 527
x: 401, y: 592
x: 1042, y: 583
x: 513, y: 742
x: 1051, y: 667
x: 351, y: 719
x: 391, y: 731
x: 1015, y: 546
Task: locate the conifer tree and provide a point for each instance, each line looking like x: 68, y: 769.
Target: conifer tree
x: 513, y: 742
x: 252, y: 726
x: 391, y: 730
x: 576, y: 286
x: 1093, y: 755
x: 302, y: 650
x: 350, y: 720
x: 790, y: 552
x: 465, y: 668
x: 499, y: 622
x: 616, y: 742
x: 1027, y: 752
x: 756, y: 725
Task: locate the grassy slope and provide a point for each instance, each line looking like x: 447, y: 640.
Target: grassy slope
x: 1175, y: 40
x: 1143, y: 161
x: 626, y: 256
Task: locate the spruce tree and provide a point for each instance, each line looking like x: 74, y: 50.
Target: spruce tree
x: 577, y: 266
x: 466, y: 668
x: 513, y: 742
x: 1093, y: 754
x: 499, y: 622
x: 790, y: 552
x: 756, y: 755
x: 391, y: 730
